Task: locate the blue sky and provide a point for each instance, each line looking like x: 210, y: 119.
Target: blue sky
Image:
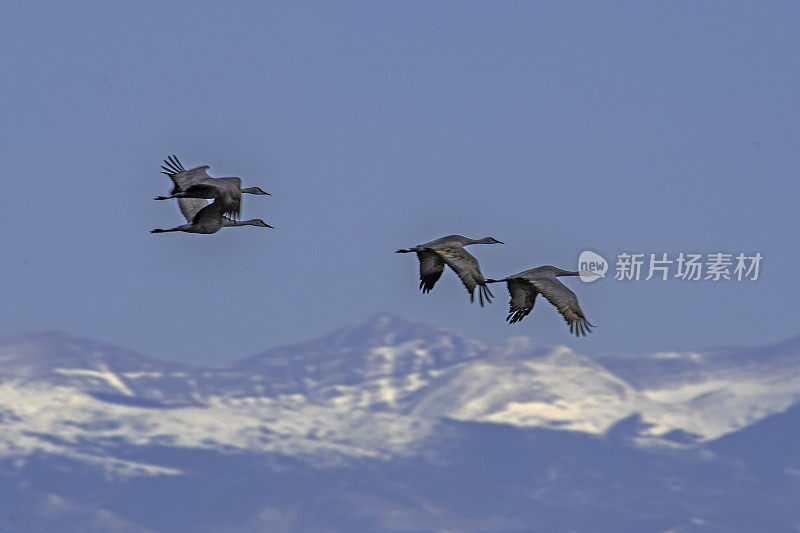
x: 616, y: 127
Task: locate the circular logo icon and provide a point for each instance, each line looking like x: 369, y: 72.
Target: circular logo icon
x: 591, y: 266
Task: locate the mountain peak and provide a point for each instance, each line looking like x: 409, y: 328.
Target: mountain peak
x: 386, y: 322
x: 384, y: 345
x: 384, y: 319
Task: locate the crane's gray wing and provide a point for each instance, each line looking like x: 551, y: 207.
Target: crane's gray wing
x: 232, y: 184
x: 182, y: 178
x: 466, y: 266
x: 190, y: 207
x: 566, y: 302
x: 232, y: 190
x: 209, y: 213
x: 226, y: 190
x: 523, y: 296
x: 186, y: 179
x: 431, y: 266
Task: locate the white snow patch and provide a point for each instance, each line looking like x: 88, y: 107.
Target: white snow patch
x: 135, y: 375
x: 691, y: 356
x: 289, y: 425
x: 104, y: 373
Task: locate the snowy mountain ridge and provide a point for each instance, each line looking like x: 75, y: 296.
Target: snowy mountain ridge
x: 375, y: 390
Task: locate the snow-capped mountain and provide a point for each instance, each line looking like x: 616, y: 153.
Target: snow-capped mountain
x: 59, y: 360
x: 387, y: 398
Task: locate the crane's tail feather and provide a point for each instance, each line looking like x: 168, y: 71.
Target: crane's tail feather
x: 159, y: 230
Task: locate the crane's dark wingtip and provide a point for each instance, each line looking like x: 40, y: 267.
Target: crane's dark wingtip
x: 580, y: 328
x: 514, y: 317
x: 175, y: 165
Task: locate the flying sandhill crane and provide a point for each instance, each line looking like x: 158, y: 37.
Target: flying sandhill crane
x: 525, y: 286
x: 196, y: 183
x: 450, y: 250
x: 203, y: 217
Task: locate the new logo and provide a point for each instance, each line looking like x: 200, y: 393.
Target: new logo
x: 591, y: 266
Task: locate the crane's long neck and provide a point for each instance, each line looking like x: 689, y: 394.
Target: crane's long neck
x: 485, y: 240
x: 251, y: 222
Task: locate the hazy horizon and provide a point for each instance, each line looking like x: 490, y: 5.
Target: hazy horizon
x: 370, y: 320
